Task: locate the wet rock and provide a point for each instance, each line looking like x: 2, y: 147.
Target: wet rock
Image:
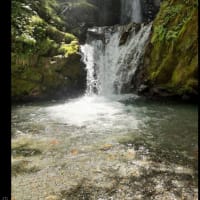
x: 128, y: 29
x: 159, y: 91
x: 142, y: 88
x: 94, y: 34
x: 52, y: 197
x: 185, y: 97
x: 22, y: 167
x: 149, y: 9
x: 74, y: 152
x: 130, y: 154
x: 106, y: 147
x: 98, y: 170
x: 156, y: 69
x: 123, y: 38
x: 25, y: 151
x: 136, y: 27
x: 54, y: 142
x: 20, y: 132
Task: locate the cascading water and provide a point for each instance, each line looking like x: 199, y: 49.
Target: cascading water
x: 131, y: 11
x: 112, y: 54
x: 111, y: 64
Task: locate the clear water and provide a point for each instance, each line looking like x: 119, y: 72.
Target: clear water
x: 106, y: 148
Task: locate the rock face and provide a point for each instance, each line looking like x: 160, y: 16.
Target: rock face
x: 149, y: 9
x: 79, y: 15
x: 45, y: 60
x: 138, y: 11
x: 170, y: 65
x: 108, y: 12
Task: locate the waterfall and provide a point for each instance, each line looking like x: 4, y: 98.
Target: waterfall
x: 111, y: 55
x: 131, y: 11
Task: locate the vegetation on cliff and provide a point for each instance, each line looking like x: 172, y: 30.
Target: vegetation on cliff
x: 45, y: 45
x: 44, y: 58
x: 78, y: 15
x: 171, y: 57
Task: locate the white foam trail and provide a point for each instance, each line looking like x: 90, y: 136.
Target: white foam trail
x: 95, y: 112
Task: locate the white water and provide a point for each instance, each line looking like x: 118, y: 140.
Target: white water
x: 96, y: 112
x: 131, y: 11
x: 111, y: 66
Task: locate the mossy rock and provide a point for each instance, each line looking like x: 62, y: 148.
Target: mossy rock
x: 172, y: 58
x: 41, y: 51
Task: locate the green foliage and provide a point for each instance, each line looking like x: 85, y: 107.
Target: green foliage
x: 48, y: 10
x: 171, y: 20
x: 45, y: 46
x: 69, y: 38
x: 36, y: 40
x: 69, y: 49
x: 171, y: 35
x: 159, y: 33
x: 173, y: 57
x: 25, y: 38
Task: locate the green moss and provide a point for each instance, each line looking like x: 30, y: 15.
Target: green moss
x: 21, y: 167
x: 59, y: 36
x: 69, y: 49
x: 41, y: 51
x: 159, y: 33
x: 69, y: 37
x: 173, y: 56
x: 46, y: 46
x: 22, y: 87
x: 25, y: 38
x: 35, y: 19
x: 25, y: 151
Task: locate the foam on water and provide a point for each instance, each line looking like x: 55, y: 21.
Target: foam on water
x: 96, y: 111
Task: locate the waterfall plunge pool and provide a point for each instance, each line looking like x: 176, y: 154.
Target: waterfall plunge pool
x: 95, y: 147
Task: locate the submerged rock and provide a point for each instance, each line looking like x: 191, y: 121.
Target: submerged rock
x: 52, y: 197
x: 106, y: 147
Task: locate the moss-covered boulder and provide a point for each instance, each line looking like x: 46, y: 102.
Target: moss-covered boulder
x: 45, y: 60
x: 170, y: 63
